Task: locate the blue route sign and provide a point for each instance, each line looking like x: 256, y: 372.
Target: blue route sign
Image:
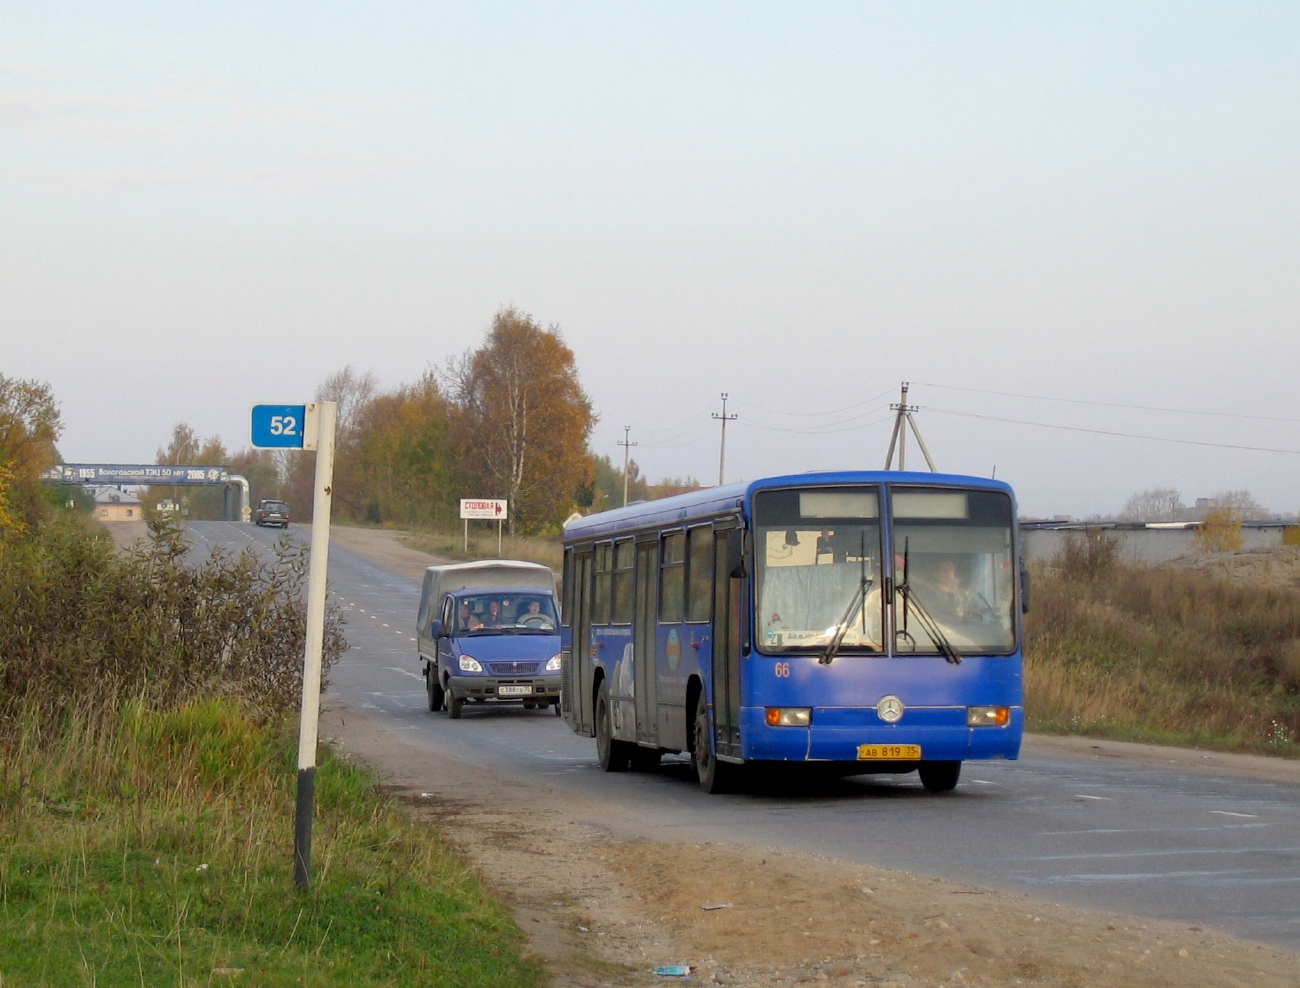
x: 279, y: 426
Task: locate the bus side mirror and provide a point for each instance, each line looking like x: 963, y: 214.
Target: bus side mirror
x: 435, y: 628
x: 736, y: 554
x: 1024, y: 591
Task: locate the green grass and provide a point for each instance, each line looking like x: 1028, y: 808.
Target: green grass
x: 155, y: 849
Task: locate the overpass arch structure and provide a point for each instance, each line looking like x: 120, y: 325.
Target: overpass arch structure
x: 161, y: 474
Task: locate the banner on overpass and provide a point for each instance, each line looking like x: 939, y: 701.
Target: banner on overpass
x: 135, y: 473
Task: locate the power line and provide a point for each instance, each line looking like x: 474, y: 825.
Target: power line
x: 1105, y: 432
x: 1108, y: 404
x: 833, y: 411
x: 825, y: 428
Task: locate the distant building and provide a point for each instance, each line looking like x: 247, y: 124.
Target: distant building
x: 1139, y: 542
x: 112, y: 504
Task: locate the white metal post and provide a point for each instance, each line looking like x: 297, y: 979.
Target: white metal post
x: 326, y: 415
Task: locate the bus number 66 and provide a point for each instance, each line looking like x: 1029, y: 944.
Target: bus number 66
x: 783, y: 670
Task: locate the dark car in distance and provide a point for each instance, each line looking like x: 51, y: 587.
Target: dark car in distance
x: 272, y: 513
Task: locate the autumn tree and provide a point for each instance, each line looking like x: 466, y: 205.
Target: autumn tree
x: 29, y: 428
x: 259, y: 468
x: 522, y: 421
x: 404, y: 459
x: 606, y: 488
x: 352, y: 391
x: 187, y: 446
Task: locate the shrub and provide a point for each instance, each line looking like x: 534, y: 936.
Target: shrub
x: 1088, y: 557
x: 79, y: 619
x: 1220, y: 531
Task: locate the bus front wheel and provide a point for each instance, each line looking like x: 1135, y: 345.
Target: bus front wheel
x: 433, y: 688
x: 939, y: 776
x: 714, y: 776
x: 612, y: 753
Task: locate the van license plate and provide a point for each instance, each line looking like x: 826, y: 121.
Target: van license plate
x: 889, y: 752
x: 514, y: 691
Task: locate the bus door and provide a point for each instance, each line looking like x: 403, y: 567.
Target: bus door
x: 644, y: 626
x: 726, y: 644
x: 583, y: 722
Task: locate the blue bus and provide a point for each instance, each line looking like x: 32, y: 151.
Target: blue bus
x: 865, y: 621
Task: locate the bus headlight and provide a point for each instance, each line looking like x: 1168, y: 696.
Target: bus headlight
x: 988, y: 716
x: 789, y: 716
x: 469, y: 664
x: 553, y: 665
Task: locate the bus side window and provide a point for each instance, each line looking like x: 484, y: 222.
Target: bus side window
x: 699, y: 574
x: 566, y: 590
x: 604, y: 574
x: 624, y: 557
x: 672, y: 573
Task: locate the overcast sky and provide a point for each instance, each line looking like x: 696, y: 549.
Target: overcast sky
x: 1084, y: 208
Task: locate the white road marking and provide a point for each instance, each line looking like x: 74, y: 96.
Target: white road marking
x: 385, y: 625
x: 405, y: 672
x: 1082, y: 796
x: 1244, y: 816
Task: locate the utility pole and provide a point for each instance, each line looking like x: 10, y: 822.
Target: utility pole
x: 626, y: 448
x: 901, y: 423
x: 722, y: 453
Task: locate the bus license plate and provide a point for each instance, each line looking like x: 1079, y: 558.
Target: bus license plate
x: 514, y: 690
x: 889, y: 752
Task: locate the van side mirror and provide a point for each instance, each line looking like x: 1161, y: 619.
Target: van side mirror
x: 1024, y: 591
x: 435, y: 628
x: 736, y: 554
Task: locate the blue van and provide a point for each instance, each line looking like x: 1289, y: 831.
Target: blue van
x: 489, y: 632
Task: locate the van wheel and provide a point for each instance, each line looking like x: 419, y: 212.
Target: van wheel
x: 434, y: 689
x: 612, y: 753
x: 454, y: 706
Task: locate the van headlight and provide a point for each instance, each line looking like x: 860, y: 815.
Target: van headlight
x: 469, y: 664
x: 553, y: 664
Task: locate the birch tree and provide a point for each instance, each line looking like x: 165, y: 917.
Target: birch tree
x: 523, y: 420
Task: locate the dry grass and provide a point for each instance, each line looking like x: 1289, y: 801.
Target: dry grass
x: 483, y: 545
x: 1161, y: 653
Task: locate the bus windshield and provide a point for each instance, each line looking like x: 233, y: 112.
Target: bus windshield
x: 955, y: 548
x: 817, y: 561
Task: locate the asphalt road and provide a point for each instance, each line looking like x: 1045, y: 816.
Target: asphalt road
x: 1199, y: 843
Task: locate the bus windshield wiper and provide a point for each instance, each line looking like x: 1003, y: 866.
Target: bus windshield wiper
x: 924, y: 618
x: 858, y: 600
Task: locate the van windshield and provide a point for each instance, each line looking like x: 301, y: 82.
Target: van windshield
x: 521, y: 613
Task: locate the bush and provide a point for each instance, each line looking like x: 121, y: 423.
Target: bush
x: 1220, y: 531
x: 79, y: 619
x: 1088, y: 557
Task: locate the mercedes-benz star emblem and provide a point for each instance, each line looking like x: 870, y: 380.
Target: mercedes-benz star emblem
x: 890, y: 709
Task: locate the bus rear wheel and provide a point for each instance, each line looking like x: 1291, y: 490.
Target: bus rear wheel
x: 714, y: 776
x: 613, y: 754
x: 939, y: 776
